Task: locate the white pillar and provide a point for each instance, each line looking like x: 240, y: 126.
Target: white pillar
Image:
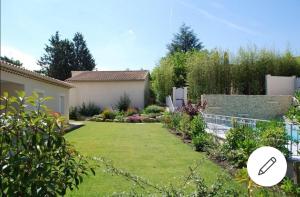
x: 185, y: 95
x: 174, y: 95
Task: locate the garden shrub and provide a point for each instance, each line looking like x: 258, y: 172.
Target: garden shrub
x: 167, y: 119
x: 35, y: 158
x: 198, y: 126
x: 88, y: 110
x: 290, y: 188
x: 175, y: 120
x: 154, y: 109
x: 240, y: 142
x: 193, y: 110
x: 273, y: 134
x: 134, y: 118
x: 108, y: 114
x: 185, y: 125
x: 74, y: 113
x: 131, y: 111
x: 124, y: 103
x: 202, y: 141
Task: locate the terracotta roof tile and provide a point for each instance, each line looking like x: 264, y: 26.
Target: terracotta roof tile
x: 109, y: 76
x: 11, y: 68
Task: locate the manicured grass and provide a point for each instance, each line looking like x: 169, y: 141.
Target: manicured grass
x: 147, y: 150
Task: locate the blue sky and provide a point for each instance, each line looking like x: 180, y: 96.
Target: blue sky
x: 132, y: 34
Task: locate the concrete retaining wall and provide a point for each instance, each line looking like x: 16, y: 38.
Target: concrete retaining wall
x: 250, y: 106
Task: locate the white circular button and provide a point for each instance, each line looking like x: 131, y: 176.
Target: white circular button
x: 266, y: 166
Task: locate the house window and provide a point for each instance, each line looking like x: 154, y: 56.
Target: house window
x: 62, y: 104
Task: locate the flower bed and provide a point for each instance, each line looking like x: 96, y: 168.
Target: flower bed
x: 151, y: 114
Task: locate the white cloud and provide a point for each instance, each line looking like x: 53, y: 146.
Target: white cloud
x: 29, y: 61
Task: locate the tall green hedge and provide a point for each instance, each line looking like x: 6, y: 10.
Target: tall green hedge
x: 220, y: 72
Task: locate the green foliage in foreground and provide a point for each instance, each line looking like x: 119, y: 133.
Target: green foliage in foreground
x: 192, y: 184
x: 147, y: 150
x: 35, y: 159
x: 242, y: 140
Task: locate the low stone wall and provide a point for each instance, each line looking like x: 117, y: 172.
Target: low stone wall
x: 250, y: 106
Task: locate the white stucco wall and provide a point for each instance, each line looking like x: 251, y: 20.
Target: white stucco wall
x: 279, y: 85
x: 107, y: 94
x: 29, y: 85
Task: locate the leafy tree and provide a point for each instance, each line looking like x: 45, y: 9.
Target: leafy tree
x: 178, y: 61
x: 59, y: 58
x: 162, y: 79
x: 35, y: 158
x: 184, y: 41
x: 11, y: 60
x: 63, y: 56
x: 83, y: 58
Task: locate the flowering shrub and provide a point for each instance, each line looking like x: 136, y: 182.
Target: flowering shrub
x: 193, y: 110
x: 35, y: 158
x: 134, y: 118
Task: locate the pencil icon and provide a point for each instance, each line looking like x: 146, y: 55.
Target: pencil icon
x: 267, y: 166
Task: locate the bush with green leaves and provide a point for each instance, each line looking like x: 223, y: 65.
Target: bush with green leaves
x: 175, y: 118
x: 79, y: 112
x: 74, y: 113
x: 90, y: 109
x: 131, y: 111
x: 202, y: 142
x: 185, y: 125
x: 273, y: 134
x: 198, y: 126
x: 290, y: 188
x: 124, y: 103
x: 35, y: 158
x: 108, y: 114
x: 240, y: 142
x: 154, y: 109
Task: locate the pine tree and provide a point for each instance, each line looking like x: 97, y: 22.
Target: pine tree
x: 59, y: 58
x: 63, y: 56
x: 184, y: 41
x: 83, y: 58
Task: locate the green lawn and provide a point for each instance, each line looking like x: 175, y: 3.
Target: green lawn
x: 147, y: 150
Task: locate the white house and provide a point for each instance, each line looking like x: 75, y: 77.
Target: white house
x: 14, y: 78
x: 104, y: 88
